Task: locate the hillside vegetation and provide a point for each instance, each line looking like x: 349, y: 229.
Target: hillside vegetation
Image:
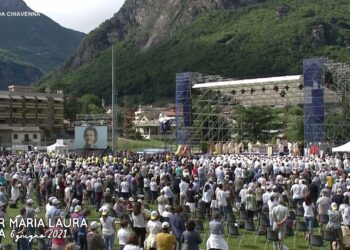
x: 264, y: 39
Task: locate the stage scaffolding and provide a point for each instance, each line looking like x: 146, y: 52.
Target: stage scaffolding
x: 207, y: 107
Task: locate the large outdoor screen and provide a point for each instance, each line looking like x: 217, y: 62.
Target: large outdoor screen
x: 91, y: 137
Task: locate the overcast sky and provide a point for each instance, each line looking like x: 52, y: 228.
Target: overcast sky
x: 81, y: 15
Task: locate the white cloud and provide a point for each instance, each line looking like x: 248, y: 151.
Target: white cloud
x: 82, y: 15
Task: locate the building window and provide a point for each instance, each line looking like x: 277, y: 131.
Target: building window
x: 35, y: 136
x: 15, y: 136
x: 26, y: 137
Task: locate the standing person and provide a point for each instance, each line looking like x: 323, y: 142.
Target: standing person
x: 58, y: 243
x: 165, y: 240
x: 190, y: 237
x: 280, y: 215
x: 168, y: 193
x: 123, y: 234
x: 296, y: 191
x: 108, y: 229
x: 309, y: 215
x: 191, y: 200
x: 76, y: 215
x: 153, y: 228
x: 183, y: 190
x: 338, y: 197
x: 133, y: 243
x: 98, y: 192
x: 125, y: 188
x: 335, y: 219
x: 216, y: 239
x: 273, y: 202
x: 207, y: 197
x: 323, y: 204
x: 250, y: 204
x: 177, y: 223
x: 154, y: 189
x: 30, y: 213
x: 139, y: 223
x: 162, y: 202
x: 345, y: 211
x: 221, y: 199
x: 21, y: 231
x: 14, y: 191
x: 82, y: 230
x: 94, y: 239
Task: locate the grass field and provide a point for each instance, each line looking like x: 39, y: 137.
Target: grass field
x: 232, y: 242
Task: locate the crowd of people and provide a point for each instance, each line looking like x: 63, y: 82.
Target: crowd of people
x: 152, y: 201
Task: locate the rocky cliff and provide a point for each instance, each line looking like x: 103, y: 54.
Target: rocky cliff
x: 145, y: 23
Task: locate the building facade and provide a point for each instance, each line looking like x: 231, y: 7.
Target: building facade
x: 146, y: 122
x: 26, y: 115
x: 21, y: 106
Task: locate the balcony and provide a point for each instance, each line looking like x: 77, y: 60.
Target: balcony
x: 30, y: 115
x: 5, y: 104
x: 5, y: 114
x: 17, y: 115
x: 58, y: 106
x: 42, y: 105
x: 30, y: 105
x: 17, y: 105
x: 42, y: 116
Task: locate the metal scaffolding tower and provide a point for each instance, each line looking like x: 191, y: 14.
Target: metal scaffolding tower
x: 208, y: 108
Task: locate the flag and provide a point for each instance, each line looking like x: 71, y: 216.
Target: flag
x: 165, y: 123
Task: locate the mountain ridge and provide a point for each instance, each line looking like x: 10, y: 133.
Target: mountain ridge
x: 241, y: 40
x: 37, y: 40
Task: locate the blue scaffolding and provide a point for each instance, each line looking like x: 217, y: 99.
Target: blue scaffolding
x: 314, y: 108
x: 183, y: 108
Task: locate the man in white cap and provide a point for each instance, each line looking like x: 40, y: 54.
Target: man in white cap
x: 94, y: 239
x: 75, y: 215
x: 167, y: 213
x: 54, y: 211
x: 49, y: 204
x: 165, y: 240
x: 108, y: 228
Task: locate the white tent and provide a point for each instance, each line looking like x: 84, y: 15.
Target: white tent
x: 58, y: 148
x: 342, y: 148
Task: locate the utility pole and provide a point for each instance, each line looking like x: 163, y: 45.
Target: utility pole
x: 125, y: 118
x: 113, y: 38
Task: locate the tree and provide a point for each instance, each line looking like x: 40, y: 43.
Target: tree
x: 255, y: 123
x: 72, y: 107
x: 90, y: 101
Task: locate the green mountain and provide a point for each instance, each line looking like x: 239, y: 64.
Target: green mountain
x: 236, y: 39
x: 14, y: 70
x: 38, y: 43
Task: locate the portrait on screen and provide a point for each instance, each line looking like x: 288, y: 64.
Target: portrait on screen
x: 91, y: 137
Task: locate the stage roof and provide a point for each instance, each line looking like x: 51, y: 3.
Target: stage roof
x: 247, y: 82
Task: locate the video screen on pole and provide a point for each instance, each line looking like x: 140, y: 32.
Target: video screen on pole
x: 91, y: 137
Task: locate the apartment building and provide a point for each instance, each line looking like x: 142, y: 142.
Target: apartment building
x: 22, y: 107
